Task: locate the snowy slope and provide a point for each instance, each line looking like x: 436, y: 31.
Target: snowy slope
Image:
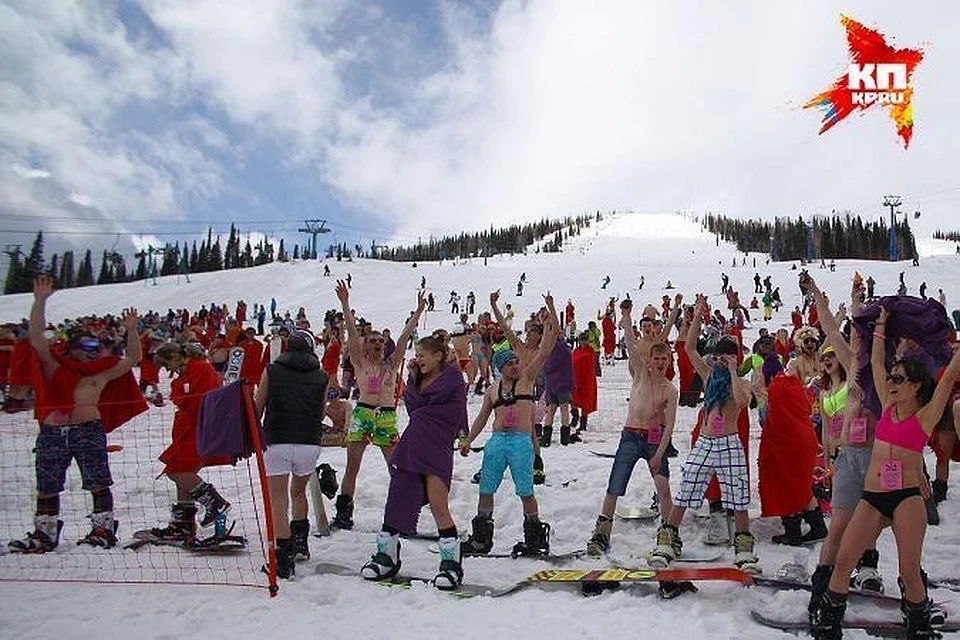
x: 658, y: 247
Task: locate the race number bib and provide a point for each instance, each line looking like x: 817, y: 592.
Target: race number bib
x: 891, y: 475
x: 718, y: 424
x: 510, y: 417
x: 835, y: 425
x: 654, y: 434
x: 858, y: 431
x: 374, y: 383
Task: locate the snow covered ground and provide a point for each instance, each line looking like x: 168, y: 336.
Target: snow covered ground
x: 661, y: 248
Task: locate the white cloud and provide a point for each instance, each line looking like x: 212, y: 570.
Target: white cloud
x: 29, y: 173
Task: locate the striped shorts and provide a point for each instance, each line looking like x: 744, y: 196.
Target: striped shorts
x: 721, y: 455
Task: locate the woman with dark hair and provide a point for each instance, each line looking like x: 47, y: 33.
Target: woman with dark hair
x: 911, y: 407
x: 421, y: 466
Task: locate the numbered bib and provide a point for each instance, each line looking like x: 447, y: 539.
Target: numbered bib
x: 510, y: 417
x: 891, y: 475
x: 835, y: 426
x: 718, y: 424
x: 374, y: 383
x: 858, y: 431
x: 654, y: 434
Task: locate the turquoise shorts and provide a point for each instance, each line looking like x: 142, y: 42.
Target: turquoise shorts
x: 513, y: 449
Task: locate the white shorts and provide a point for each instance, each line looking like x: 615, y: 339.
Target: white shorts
x: 298, y: 459
x: 721, y: 455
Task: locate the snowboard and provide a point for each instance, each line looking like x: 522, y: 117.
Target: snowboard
x: 547, y: 557
x: 881, y: 599
x: 234, y: 365
x: 212, y: 544
x: 691, y: 556
x: 604, y: 454
x: 405, y: 582
x: 321, y: 525
x: 884, y: 629
x: 636, y: 513
x: 594, y: 580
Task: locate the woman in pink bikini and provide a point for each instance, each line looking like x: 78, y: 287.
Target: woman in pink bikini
x: 912, y: 404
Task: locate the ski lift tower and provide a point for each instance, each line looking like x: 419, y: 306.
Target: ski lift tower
x: 313, y: 228
x: 893, y: 202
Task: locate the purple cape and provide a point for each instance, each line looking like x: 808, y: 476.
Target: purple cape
x: 558, y: 370
x: 437, y: 415
x: 923, y: 321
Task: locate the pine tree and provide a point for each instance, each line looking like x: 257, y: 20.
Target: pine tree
x: 14, y: 274
x: 296, y: 252
x: 281, y: 253
x: 54, y: 270
x: 33, y: 266
x: 67, y: 277
x: 216, y: 257
x: 141, y: 272
x: 194, y: 258
x: 104, y: 277
x: 85, y: 272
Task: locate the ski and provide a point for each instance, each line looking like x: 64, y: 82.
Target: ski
x: 885, y: 629
x: 234, y: 366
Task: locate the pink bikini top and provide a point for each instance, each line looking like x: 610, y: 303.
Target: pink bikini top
x: 908, y: 433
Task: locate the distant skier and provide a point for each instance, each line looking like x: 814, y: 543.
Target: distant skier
x: 606, y: 281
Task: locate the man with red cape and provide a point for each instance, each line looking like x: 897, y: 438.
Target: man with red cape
x: 584, y: 397
x: 81, y: 395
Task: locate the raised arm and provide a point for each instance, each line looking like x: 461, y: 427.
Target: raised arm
x: 551, y: 330
x: 674, y: 314
x: 354, y: 345
x: 741, y: 389
x: 508, y: 333
x: 829, y: 322
x: 878, y: 356
x: 637, y: 359
x: 133, y: 352
x: 930, y: 414
x: 690, y: 346
x: 408, y: 330
x: 42, y: 289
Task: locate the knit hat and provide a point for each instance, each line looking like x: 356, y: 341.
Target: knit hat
x: 500, y: 358
x: 726, y: 346
x: 301, y: 341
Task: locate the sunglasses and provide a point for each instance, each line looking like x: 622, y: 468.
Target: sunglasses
x: 810, y: 341
x: 376, y: 340
x: 89, y: 345
x: 896, y: 378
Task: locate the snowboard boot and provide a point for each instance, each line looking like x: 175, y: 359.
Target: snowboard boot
x: 344, y: 517
x: 538, y: 430
x: 286, y: 568
x: 668, y: 547
x: 818, y: 528
x: 327, y: 479
x: 478, y: 390
x: 536, y: 539
x: 670, y: 589
x: 939, y: 490
x: 745, y: 558
x: 385, y: 563
x: 547, y: 436
x: 575, y: 437
x: 933, y: 516
x: 916, y: 615
x: 574, y: 417
x: 299, y: 535
x: 450, y: 576
x: 791, y: 531
x: 539, y: 477
x: 214, y: 505
x: 866, y: 577
x: 826, y: 623
x: 481, y: 538
x: 44, y: 537
x: 819, y: 582
x: 938, y: 617
x: 564, y: 435
x: 183, y: 525
x: 104, y: 531
x: 600, y: 540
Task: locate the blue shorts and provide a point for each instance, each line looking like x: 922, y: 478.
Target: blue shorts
x: 633, y: 446
x: 513, y: 449
x: 57, y: 446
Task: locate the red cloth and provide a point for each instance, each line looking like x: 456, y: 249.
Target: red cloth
x: 331, y: 358
x: 609, y: 335
x: 120, y: 400
x: 584, y: 380
x: 22, y: 361
x: 149, y: 371
x: 186, y: 392
x: 743, y: 432
x: 788, y: 449
x: 813, y: 317
x: 687, y: 372
x: 946, y: 418
x: 796, y: 319
x: 252, y: 367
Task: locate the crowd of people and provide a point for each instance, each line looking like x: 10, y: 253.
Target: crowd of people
x: 847, y: 398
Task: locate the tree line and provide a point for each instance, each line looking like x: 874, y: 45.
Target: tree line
x: 211, y: 255
x: 953, y: 236
x: 821, y: 237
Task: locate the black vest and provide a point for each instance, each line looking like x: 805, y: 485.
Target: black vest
x: 295, y: 399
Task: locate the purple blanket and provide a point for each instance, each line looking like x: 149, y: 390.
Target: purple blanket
x: 437, y: 415
x: 558, y: 370
x: 923, y: 321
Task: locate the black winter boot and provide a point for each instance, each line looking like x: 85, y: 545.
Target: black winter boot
x: 939, y: 490
x: 791, y: 532
x: 299, y: 534
x: 547, y: 435
x: 481, y: 538
x: 183, y: 525
x: 327, y: 478
x: 536, y: 539
x: 826, y: 623
x: 344, y: 517
x: 539, y: 476
x: 564, y: 435
x: 819, y: 582
x: 917, y: 617
x: 818, y: 528
x: 285, y: 565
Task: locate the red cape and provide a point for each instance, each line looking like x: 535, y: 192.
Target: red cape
x: 788, y: 450
x: 120, y: 400
x: 584, y: 380
x: 186, y: 392
x: 687, y: 372
x: 22, y: 361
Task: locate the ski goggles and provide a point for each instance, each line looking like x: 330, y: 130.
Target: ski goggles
x: 90, y: 345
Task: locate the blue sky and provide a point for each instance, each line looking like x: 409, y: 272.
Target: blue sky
x: 143, y: 121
